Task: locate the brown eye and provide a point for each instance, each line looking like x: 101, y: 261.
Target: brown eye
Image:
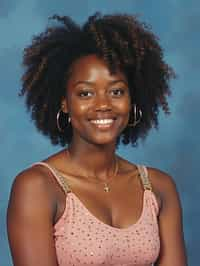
x: 85, y: 94
x: 117, y: 92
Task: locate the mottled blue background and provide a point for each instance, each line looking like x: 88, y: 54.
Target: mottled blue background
x: 173, y: 148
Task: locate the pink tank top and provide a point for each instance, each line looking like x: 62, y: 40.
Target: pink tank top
x: 82, y: 239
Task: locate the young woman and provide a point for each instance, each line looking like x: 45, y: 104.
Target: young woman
x: 93, y: 87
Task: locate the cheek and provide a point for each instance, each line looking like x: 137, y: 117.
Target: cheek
x: 77, y: 107
x: 124, y: 107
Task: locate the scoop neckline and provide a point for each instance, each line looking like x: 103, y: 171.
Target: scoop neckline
x: 55, y: 172
x: 101, y: 223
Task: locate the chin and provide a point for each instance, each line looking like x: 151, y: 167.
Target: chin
x: 103, y: 140
x: 99, y: 137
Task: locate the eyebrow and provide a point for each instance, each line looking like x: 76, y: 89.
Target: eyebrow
x: 93, y: 83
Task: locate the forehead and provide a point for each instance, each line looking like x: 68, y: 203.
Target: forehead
x: 94, y: 69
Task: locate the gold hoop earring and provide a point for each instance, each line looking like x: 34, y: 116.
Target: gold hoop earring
x: 58, y: 116
x: 137, y: 116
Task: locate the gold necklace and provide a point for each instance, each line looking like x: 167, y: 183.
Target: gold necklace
x: 106, y: 186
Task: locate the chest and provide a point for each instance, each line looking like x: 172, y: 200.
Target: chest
x: 82, y: 239
x: 120, y: 207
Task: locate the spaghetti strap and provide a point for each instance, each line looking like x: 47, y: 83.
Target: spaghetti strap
x: 143, y: 174
x: 59, y: 178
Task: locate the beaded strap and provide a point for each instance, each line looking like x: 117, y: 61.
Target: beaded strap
x: 60, y: 178
x: 63, y: 183
x: 143, y: 173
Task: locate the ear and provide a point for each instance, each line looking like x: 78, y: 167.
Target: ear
x: 64, y: 105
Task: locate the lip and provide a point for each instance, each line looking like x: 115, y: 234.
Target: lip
x: 102, y: 123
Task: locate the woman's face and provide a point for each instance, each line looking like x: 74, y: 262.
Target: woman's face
x: 97, y: 102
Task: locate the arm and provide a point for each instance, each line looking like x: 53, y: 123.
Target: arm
x: 170, y: 224
x: 29, y: 221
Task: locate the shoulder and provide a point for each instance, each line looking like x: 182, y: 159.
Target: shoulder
x: 32, y: 187
x: 163, y: 185
x: 37, y: 176
x: 34, y: 177
x: 160, y: 180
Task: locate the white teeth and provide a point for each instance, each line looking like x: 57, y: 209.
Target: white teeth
x: 102, y: 121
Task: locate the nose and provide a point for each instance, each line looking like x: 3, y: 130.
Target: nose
x: 103, y: 103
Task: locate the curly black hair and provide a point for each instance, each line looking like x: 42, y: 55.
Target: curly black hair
x: 123, y: 42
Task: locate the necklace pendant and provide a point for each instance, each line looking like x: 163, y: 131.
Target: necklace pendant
x: 106, y: 188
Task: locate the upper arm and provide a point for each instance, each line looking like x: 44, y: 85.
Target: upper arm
x: 172, y: 250
x: 29, y: 221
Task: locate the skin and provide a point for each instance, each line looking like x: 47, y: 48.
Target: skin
x: 37, y: 201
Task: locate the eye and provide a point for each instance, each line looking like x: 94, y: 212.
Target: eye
x: 118, y: 92
x: 85, y: 94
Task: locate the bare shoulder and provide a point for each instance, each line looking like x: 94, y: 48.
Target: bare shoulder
x: 161, y: 181
x: 31, y: 187
x: 32, y: 178
x: 164, y: 186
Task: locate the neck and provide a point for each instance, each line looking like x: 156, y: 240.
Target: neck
x: 93, y: 160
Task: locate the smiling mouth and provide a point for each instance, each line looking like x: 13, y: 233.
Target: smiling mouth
x: 102, y: 123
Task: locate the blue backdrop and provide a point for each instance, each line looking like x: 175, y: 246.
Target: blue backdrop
x: 173, y: 148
